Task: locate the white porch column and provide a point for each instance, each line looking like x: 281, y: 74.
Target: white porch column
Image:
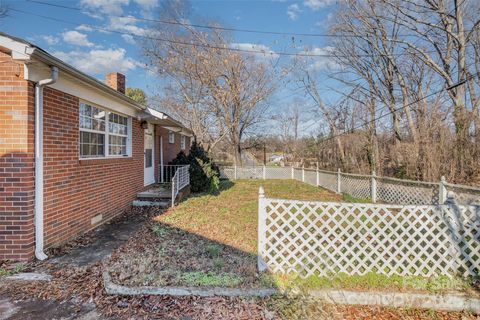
x: 161, y: 160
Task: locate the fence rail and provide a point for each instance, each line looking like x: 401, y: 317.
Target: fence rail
x: 373, y: 187
x: 326, y: 238
x: 180, y: 180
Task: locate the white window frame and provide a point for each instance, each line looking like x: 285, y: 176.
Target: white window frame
x: 106, y: 134
x: 183, y: 142
x: 171, y: 137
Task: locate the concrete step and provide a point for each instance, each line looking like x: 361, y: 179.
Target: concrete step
x: 145, y: 203
x: 155, y: 194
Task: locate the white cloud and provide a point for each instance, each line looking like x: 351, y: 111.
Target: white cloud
x: 51, y: 40
x: 76, y: 38
x: 147, y: 4
x: 84, y: 27
x: 263, y: 50
x: 321, y: 63
x: 292, y: 11
x: 129, y: 39
x: 126, y: 24
x: 99, y: 61
x: 317, y: 4
x: 109, y: 7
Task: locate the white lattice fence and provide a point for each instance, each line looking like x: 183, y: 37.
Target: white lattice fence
x: 227, y: 173
x: 297, y: 174
x: 249, y: 172
x: 464, y: 194
x: 328, y: 180
x: 404, y: 192
x: 325, y: 238
x: 383, y: 189
x: 310, y: 177
x: 356, y: 185
x: 278, y: 173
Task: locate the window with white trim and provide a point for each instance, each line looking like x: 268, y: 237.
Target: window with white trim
x: 183, y: 143
x: 171, y: 137
x: 103, y: 133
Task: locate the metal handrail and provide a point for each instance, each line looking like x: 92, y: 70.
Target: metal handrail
x: 180, y: 180
x: 166, y: 172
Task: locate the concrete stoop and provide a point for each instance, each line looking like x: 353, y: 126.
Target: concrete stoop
x: 156, y: 196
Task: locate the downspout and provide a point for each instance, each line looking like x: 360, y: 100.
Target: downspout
x: 38, y: 211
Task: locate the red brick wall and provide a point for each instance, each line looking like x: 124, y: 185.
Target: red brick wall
x: 16, y: 162
x: 78, y: 190
x: 170, y: 150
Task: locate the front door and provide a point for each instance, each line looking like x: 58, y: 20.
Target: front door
x: 149, y: 170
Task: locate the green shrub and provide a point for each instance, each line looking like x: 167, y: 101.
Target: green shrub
x: 203, y: 173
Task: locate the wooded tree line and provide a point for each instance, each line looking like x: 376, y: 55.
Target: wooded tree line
x: 408, y: 104
x: 412, y: 104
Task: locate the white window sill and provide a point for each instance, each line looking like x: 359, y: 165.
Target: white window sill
x: 106, y: 158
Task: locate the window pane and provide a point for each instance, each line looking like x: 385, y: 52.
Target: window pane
x: 91, y: 144
x: 148, y: 158
x: 92, y: 118
x: 117, y: 145
x: 117, y: 124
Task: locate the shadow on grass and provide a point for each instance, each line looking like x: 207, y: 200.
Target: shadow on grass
x: 223, y: 186
x: 163, y: 255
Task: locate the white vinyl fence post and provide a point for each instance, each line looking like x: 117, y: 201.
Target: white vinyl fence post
x: 235, y: 172
x: 442, y: 191
x: 264, y: 172
x: 293, y: 172
x: 262, y: 218
x: 303, y: 173
x: 339, y: 181
x: 318, y: 176
x: 173, y: 193
x: 373, y: 187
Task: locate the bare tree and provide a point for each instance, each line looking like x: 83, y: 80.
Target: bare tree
x: 218, y: 92
x: 444, y: 41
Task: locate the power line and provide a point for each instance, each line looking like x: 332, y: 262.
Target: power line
x: 203, y: 26
x: 170, y: 22
x: 226, y: 48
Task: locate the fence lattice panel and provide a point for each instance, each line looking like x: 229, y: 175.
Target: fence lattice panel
x: 297, y: 174
x: 310, y: 177
x: 249, y: 172
x: 403, y: 192
x: 325, y: 238
x: 464, y: 194
x: 328, y: 180
x: 357, y: 186
x: 227, y: 173
x: 278, y: 173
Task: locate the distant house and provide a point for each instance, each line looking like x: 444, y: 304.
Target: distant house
x: 276, y: 158
x: 74, y: 151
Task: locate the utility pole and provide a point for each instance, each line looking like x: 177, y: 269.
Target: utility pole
x: 264, y: 153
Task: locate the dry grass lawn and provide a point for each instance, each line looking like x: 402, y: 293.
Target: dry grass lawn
x: 230, y: 217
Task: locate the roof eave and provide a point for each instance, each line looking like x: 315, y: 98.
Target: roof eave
x: 51, y: 60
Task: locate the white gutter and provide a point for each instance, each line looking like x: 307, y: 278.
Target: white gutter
x: 38, y: 211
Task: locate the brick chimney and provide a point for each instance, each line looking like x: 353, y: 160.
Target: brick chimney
x: 116, y: 81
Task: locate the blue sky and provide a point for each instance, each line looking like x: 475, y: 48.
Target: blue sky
x: 98, y: 53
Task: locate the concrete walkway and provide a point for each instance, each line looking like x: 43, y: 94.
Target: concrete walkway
x: 108, y: 237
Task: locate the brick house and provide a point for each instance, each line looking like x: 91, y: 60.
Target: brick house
x: 74, y: 151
